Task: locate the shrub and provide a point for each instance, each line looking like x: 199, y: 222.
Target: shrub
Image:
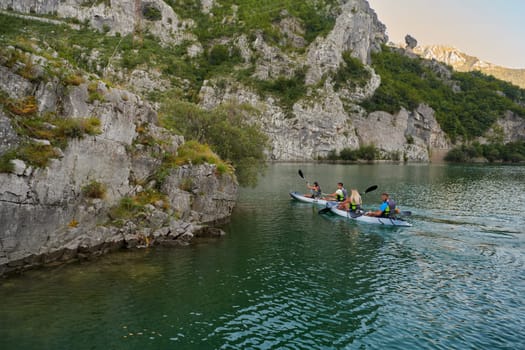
x: 226, y: 130
x: 94, y: 189
x: 130, y: 207
x: 74, y: 79
x: 510, y: 152
x: 151, y: 13
x: 5, y: 162
x: 351, y: 71
x: 348, y: 154
x: 196, y: 153
x: 286, y: 90
x: 368, y: 152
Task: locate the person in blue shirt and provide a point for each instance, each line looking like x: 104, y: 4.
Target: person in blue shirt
x: 387, y: 207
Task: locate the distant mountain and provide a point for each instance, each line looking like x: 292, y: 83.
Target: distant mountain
x: 463, y: 62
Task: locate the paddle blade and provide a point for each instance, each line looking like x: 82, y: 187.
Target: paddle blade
x: 301, y: 173
x: 371, y: 188
x: 324, y: 211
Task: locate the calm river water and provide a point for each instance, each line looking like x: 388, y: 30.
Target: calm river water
x: 286, y: 277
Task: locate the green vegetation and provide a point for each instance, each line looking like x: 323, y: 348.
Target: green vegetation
x: 94, y: 189
x: 30, y: 125
x: 134, y: 207
x: 226, y: 130
x: 5, y: 162
x: 468, y: 113
x: 33, y: 154
x: 152, y: 13
x: 232, y: 17
x: 193, y: 152
x: 511, y: 152
x: 367, y: 152
x: 286, y: 90
x: 351, y: 72
x: 47, y: 127
x: 94, y: 94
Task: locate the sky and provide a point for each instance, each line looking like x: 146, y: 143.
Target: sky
x: 492, y: 30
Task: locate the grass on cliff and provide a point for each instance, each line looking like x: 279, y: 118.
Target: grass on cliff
x: 94, y: 189
x: 134, y: 207
x: 31, y: 126
x: 407, y: 82
x: 193, y: 152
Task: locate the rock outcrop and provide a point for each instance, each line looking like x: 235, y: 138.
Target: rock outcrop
x: 410, y: 41
x: 114, y: 16
x: 357, y: 29
x: 45, y: 214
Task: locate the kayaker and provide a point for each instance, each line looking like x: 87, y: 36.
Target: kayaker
x: 386, y: 209
x: 339, y: 195
x: 352, y: 203
x: 315, y: 190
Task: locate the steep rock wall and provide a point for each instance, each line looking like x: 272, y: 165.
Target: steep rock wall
x: 44, y: 215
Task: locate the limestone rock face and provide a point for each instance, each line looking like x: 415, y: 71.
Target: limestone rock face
x: 411, y: 133
x: 120, y: 16
x: 357, y: 29
x: 510, y: 128
x: 8, y: 136
x: 45, y: 215
x: 211, y: 197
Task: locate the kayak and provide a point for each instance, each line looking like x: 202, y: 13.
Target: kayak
x: 370, y: 219
x: 301, y: 198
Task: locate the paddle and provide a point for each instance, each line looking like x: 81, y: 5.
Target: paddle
x: 327, y: 209
x: 302, y: 175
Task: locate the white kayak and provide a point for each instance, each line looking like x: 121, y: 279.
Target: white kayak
x: 300, y: 197
x: 370, y: 219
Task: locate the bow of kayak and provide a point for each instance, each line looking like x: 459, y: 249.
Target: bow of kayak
x: 301, y: 198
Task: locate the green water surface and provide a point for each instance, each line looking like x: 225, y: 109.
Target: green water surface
x: 285, y: 277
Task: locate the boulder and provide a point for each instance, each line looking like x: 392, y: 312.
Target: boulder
x: 410, y: 42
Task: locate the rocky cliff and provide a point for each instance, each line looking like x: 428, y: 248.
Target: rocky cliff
x: 47, y: 213
x: 325, y: 118
x: 463, y: 62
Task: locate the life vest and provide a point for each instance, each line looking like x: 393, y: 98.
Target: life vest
x: 390, y: 208
x: 354, y: 206
x: 340, y: 197
x: 317, y: 193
